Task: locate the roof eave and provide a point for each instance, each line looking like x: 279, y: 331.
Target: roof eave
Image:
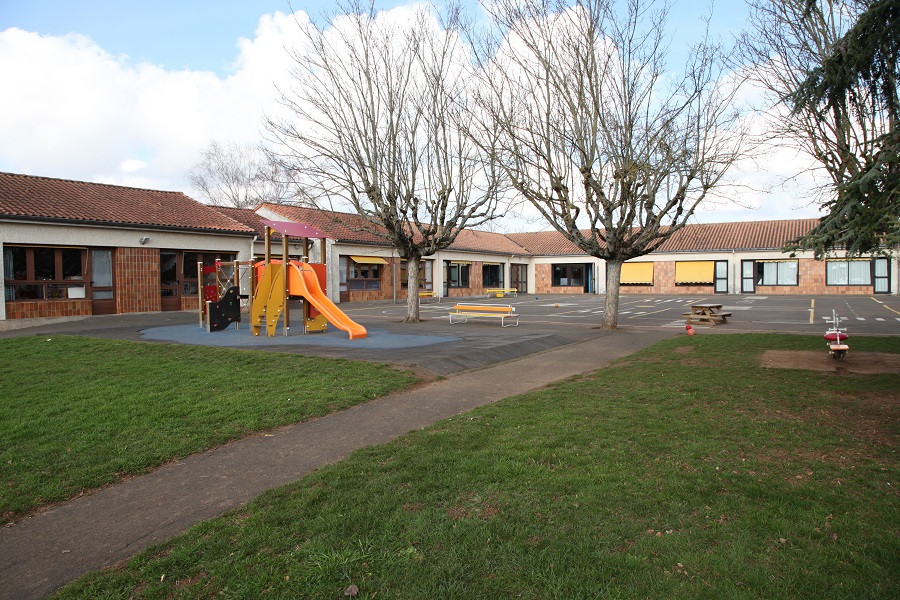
x: 123, y: 225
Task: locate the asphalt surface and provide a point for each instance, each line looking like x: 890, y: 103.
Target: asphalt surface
x: 558, y: 337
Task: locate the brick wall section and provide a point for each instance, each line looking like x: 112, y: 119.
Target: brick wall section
x: 49, y: 308
x: 137, y: 280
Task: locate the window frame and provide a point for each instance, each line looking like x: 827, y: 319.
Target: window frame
x: 55, y: 287
x: 760, y: 269
x: 568, y: 268
x: 363, y: 277
x: 848, y: 262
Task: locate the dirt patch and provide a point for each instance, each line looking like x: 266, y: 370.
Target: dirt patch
x: 856, y: 363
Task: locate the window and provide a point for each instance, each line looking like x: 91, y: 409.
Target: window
x: 639, y: 273
x: 776, y: 272
x: 426, y: 282
x: 848, y: 272
x: 189, y: 275
x: 364, y: 275
x: 35, y: 273
x: 492, y: 275
x: 694, y: 272
x: 568, y: 275
x: 458, y: 274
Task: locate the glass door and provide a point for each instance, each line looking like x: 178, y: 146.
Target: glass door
x: 721, y: 277
x: 748, y: 285
x: 169, y: 282
x: 103, y: 300
x: 882, y: 276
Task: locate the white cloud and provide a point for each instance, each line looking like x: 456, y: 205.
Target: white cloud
x: 69, y: 109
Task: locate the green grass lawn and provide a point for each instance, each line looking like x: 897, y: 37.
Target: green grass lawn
x: 684, y: 471
x: 77, y: 413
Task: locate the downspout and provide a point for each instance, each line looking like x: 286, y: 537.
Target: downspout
x: 394, y: 272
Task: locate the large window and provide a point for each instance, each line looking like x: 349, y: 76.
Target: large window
x: 458, y: 274
x: 848, y: 272
x: 776, y: 272
x: 36, y: 273
x: 492, y: 275
x: 364, y: 273
x: 638, y: 273
x: 426, y: 281
x: 190, y: 278
x: 568, y: 275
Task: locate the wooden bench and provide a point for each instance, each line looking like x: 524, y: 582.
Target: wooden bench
x: 426, y: 294
x: 503, y: 312
x: 706, y: 314
x: 501, y: 292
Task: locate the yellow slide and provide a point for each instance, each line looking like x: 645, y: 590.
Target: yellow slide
x: 303, y: 282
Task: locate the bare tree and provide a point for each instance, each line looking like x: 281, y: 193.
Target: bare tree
x: 614, y: 150
x: 242, y: 176
x: 829, y: 70
x: 375, y: 121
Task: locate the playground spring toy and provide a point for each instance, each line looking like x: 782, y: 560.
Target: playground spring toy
x: 836, y: 336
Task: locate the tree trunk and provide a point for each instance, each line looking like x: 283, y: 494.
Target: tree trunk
x: 613, y: 277
x: 412, y: 287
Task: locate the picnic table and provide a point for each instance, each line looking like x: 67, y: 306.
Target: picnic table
x: 706, y: 314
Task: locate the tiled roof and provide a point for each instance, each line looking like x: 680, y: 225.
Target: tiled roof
x: 348, y: 227
x: 750, y: 235
x: 27, y: 197
x: 245, y: 216
x: 486, y: 241
x: 342, y: 227
x: 545, y: 243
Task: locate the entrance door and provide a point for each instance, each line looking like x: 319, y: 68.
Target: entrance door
x: 518, y: 275
x: 169, y: 284
x: 721, y: 277
x: 748, y: 284
x: 103, y: 300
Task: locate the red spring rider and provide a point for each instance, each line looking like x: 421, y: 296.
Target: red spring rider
x: 835, y: 337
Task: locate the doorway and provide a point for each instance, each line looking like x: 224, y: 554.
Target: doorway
x: 103, y: 301
x: 169, y: 283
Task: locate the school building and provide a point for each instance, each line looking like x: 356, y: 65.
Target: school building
x: 71, y: 248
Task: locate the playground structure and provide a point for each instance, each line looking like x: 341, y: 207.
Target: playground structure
x: 835, y: 337
x: 221, y: 299
x: 271, y: 284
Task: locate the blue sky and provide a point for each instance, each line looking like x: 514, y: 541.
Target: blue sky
x: 131, y: 91
x: 203, y: 34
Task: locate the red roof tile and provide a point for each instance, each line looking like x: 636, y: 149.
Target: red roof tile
x: 27, y: 197
x: 750, y: 235
x: 342, y: 227
x: 545, y: 243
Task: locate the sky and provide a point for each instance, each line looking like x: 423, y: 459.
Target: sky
x: 130, y: 92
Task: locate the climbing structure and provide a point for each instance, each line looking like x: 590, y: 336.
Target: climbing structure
x: 279, y: 280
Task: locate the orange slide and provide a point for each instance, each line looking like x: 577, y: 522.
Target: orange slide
x: 302, y: 281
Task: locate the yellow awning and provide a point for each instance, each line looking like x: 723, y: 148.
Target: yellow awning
x: 697, y: 271
x: 639, y: 272
x: 461, y: 262
x: 369, y: 260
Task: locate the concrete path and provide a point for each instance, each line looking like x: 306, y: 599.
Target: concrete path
x: 41, y: 553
